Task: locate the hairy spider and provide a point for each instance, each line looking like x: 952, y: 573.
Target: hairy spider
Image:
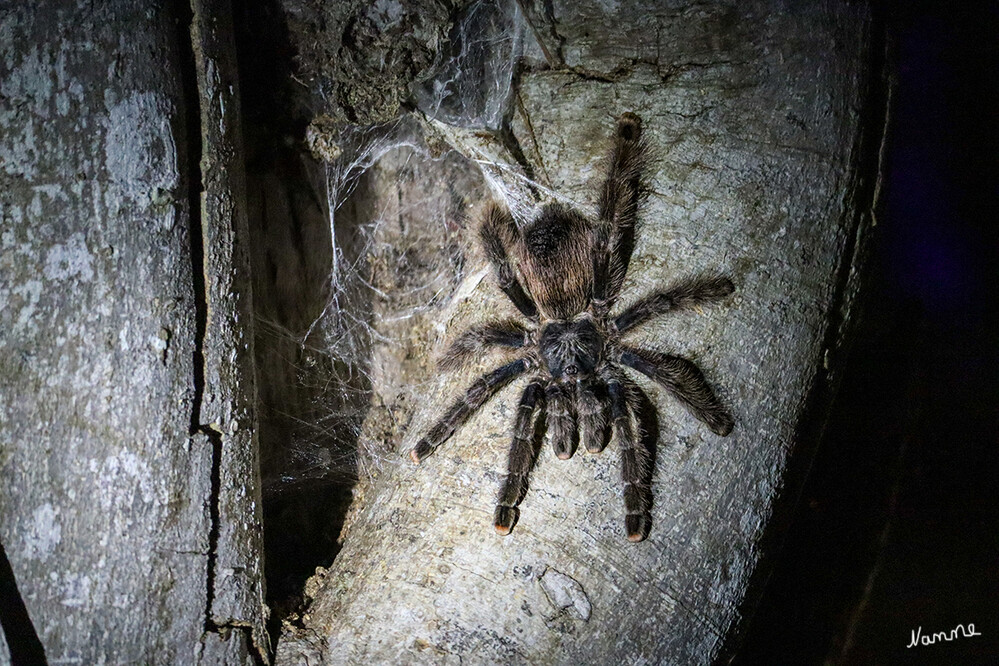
x: 566, y: 274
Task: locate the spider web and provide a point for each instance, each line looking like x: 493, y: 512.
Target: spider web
x: 400, y: 202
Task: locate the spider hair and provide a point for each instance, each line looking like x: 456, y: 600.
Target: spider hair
x: 479, y: 339
x: 564, y: 273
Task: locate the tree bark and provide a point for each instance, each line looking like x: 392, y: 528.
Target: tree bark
x: 758, y: 116
x: 229, y: 394
x: 129, y: 499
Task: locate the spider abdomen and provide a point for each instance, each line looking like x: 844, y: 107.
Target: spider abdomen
x: 556, y: 261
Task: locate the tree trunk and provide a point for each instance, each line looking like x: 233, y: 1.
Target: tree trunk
x: 758, y: 115
x: 129, y: 500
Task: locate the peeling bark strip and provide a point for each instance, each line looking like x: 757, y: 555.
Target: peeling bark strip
x: 225, y: 387
x: 756, y: 112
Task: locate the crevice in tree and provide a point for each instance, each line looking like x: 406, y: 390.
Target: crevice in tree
x: 509, y: 141
x: 553, y: 61
x: 291, y: 255
x: 508, y: 138
x: 534, y: 139
x: 549, y: 8
x: 22, y: 638
x: 259, y: 654
x: 195, y: 186
x: 215, y: 439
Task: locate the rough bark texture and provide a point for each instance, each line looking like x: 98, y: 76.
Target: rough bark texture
x: 364, y: 56
x: 129, y: 503
x: 755, y: 113
x: 228, y: 405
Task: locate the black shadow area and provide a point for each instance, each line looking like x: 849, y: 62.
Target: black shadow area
x: 308, y: 418
x: 22, y: 639
x: 898, y: 528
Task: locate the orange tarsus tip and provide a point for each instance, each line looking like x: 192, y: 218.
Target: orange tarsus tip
x: 414, y: 457
x: 636, y: 537
x: 502, y: 530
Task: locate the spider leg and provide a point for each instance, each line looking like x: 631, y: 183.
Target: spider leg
x: 561, y: 419
x: 478, y: 339
x: 636, y: 458
x: 592, y: 406
x: 685, y: 382
x: 614, y: 234
x: 523, y: 454
x: 497, y: 233
x: 683, y: 295
x: 477, y: 394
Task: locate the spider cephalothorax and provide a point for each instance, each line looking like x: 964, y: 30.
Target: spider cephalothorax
x: 564, y: 276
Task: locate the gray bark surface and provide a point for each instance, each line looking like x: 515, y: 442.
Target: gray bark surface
x: 754, y: 111
x: 129, y: 503
x: 228, y: 406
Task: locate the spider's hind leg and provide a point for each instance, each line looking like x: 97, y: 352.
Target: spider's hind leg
x: 685, y: 381
x: 523, y: 454
x: 614, y: 237
x: 497, y: 233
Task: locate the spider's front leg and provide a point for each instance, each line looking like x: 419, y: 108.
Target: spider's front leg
x: 477, y: 394
x: 683, y: 295
x: 497, y: 233
x: 636, y: 459
x: 479, y: 339
x: 592, y: 405
x: 523, y: 454
x: 561, y: 419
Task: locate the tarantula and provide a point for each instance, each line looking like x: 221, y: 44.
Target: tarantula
x: 564, y: 278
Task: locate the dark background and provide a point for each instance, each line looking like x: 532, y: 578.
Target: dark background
x: 897, y: 525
